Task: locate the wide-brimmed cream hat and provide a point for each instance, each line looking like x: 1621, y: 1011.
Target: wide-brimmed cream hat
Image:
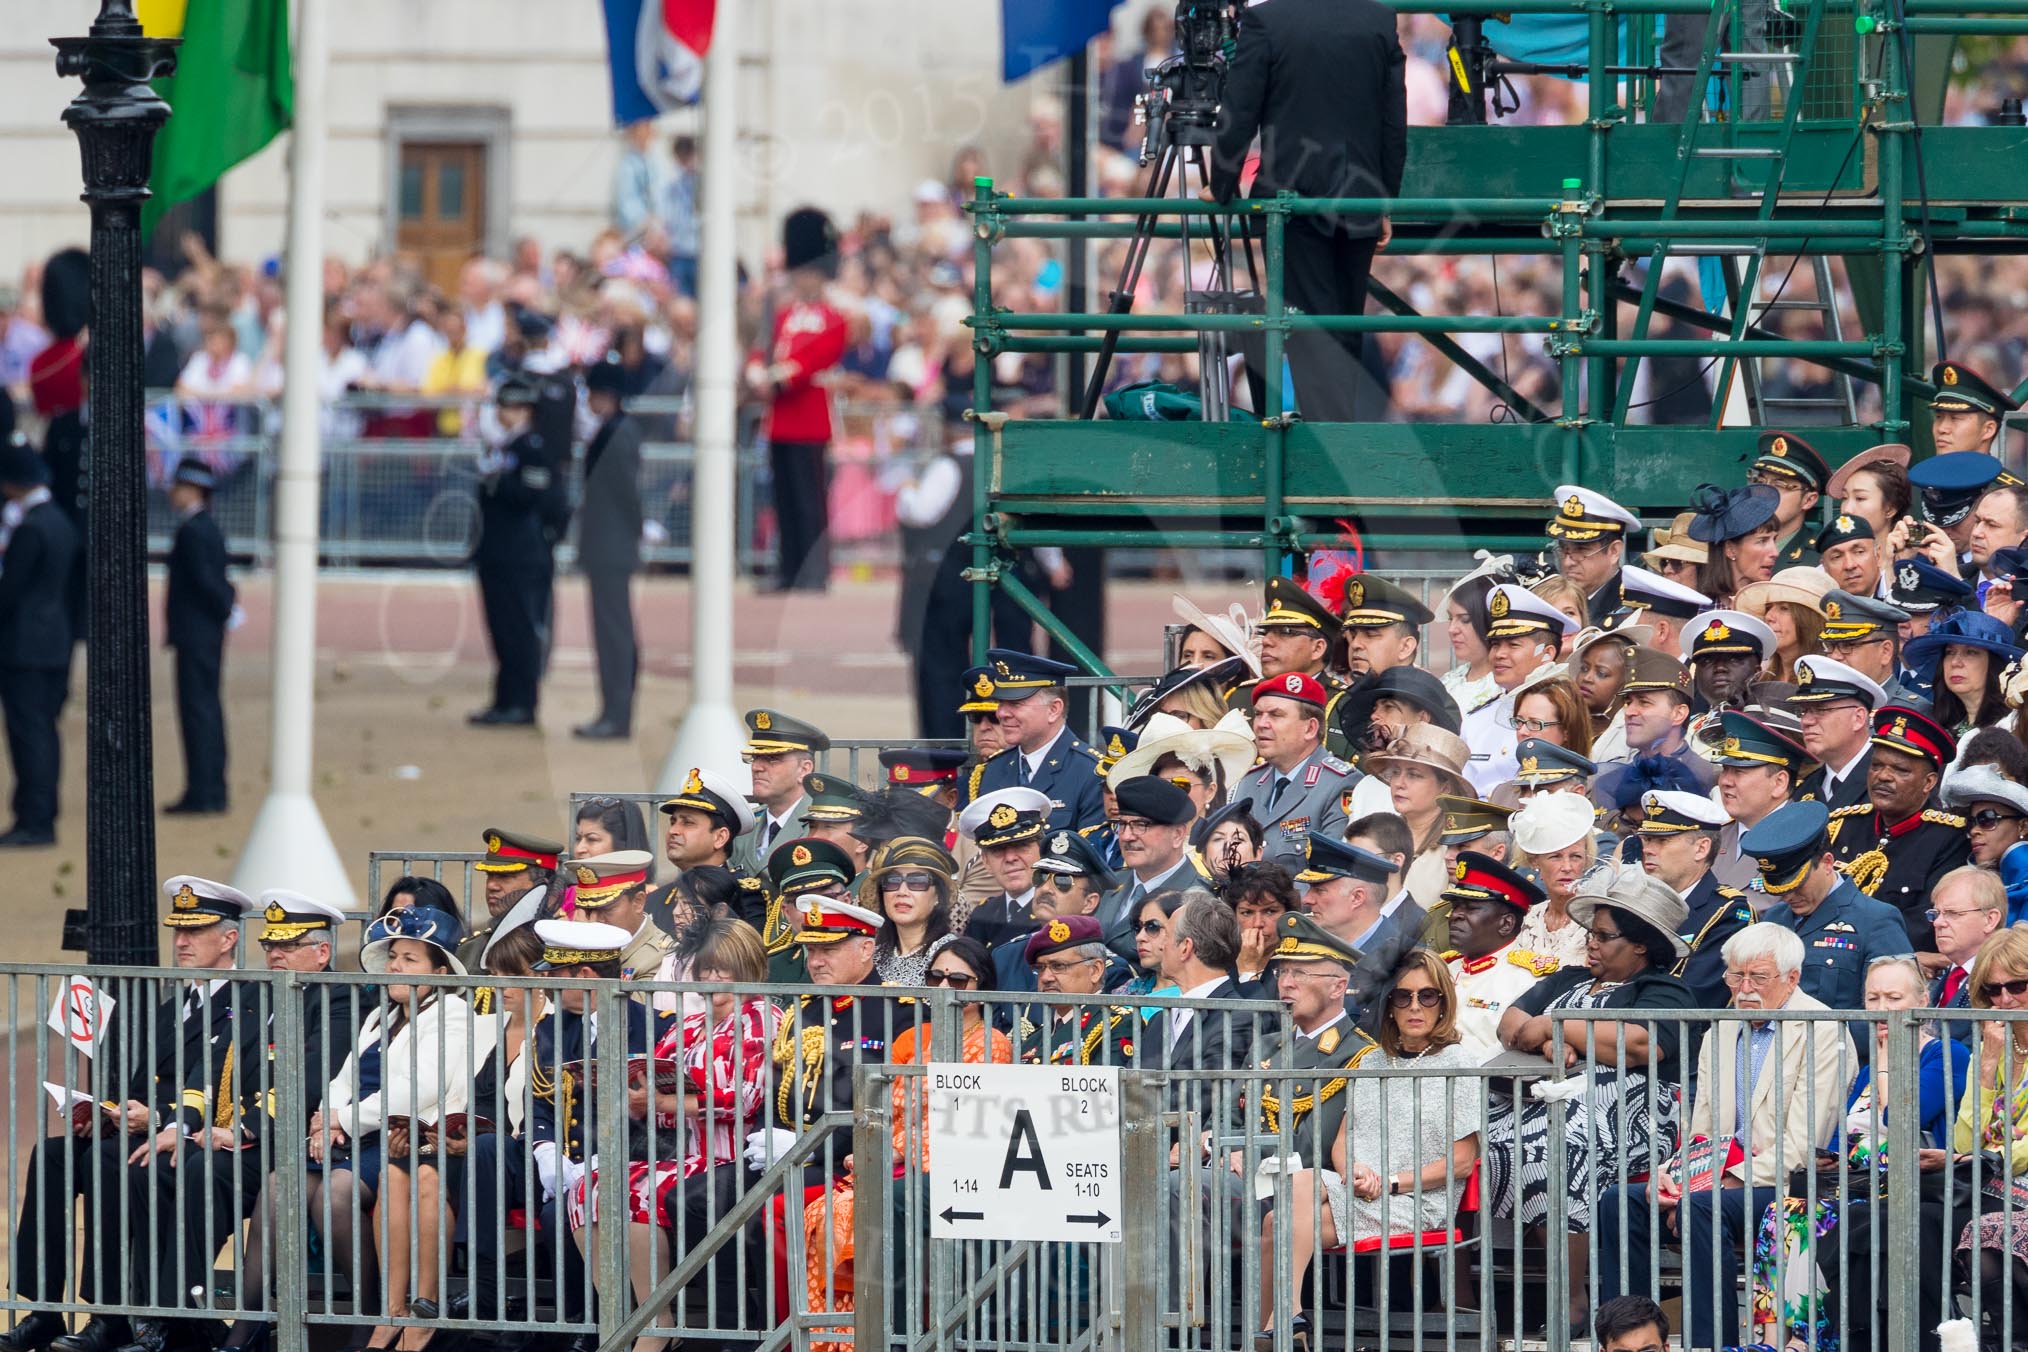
x: 1673, y: 542
x: 1427, y: 745
x: 1549, y: 822
x: 1888, y: 453
x: 1804, y: 587
x: 1228, y: 743
x: 1231, y: 629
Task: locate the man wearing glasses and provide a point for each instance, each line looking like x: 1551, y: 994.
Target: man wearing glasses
x: 1835, y: 705
x: 1968, y: 907
x: 1590, y: 531
x: 1154, y: 832
x: 1842, y: 928
x: 1793, y: 468
x: 1068, y: 879
x: 1069, y: 957
x: 1864, y: 633
x: 1769, y: 1094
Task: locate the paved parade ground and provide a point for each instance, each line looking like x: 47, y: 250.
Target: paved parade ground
x: 401, y: 660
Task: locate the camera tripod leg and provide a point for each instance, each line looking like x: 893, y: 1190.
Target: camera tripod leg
x: 1121, y: 299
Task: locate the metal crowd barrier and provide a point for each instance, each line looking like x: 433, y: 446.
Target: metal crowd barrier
x: 399, y: 475
x: 1192, y: 1218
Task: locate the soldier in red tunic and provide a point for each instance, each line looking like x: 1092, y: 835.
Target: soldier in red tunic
x: 809, y: 339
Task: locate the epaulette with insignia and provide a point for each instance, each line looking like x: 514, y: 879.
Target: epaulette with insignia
x: 1950, y: 819
x: 1089, y: 751
x: 1839, y: 812
x: 1450, y: 955
x: 1331, y: 762
x: 1725, y: 891
x: 1329, y: 1042
x: 1528, y: 961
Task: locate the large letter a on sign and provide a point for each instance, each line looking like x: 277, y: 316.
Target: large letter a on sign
x: 1024, y: 1159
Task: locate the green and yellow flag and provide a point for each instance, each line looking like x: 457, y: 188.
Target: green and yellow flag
x: 231, y: 93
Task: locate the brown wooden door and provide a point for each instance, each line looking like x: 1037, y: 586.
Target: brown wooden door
x: 440, y: 208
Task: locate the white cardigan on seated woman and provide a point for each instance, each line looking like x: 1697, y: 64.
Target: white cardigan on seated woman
x: 426, y: 1069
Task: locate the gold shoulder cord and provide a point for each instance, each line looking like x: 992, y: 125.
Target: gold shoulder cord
x: 1867, y: 870
x: 1271, y: 1107
x: 228, y: 1102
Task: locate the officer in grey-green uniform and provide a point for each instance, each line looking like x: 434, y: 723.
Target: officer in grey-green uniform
x: 1312, y: 970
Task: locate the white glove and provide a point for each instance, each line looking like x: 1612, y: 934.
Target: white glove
x: 569, y: 1172
x: 765, y: 1146
x: 545, y: 1167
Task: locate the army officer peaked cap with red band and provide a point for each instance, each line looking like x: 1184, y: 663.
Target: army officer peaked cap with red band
x: 1899, y: 728
x: 1295, y: 685
x: 1478, y: 877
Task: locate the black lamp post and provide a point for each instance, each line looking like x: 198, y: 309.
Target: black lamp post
x: 116, y: 118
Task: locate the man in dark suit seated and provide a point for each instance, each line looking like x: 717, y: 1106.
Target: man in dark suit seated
x: 1968, y: 906
x: 1322, y: 83
x: 1203, y: 945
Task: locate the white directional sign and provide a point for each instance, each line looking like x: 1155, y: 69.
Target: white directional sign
x: 1024, y: 1152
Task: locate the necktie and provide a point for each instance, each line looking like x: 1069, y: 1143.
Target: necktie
x: 1952, y: 982
x: 1275, y: 798
x: 1020, y: 768
x: 767, y: 834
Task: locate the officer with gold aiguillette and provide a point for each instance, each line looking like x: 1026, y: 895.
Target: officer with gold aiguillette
x: 1312, y: 969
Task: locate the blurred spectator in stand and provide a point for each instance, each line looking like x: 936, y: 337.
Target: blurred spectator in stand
x: 638, y: 189
x: 21, y: 337
x: 1126, y: 78
x: 460, y: 368
x: 679, y: 216
x: 479, y: 283
x: 398, y: 347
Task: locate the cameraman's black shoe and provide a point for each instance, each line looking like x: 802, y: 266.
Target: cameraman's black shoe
x: 101, y: 1333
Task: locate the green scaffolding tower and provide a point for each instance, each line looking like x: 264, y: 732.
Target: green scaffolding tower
x: 1839, y: 165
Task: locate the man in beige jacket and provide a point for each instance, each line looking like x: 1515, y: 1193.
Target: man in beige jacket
x: 1767, y: 1096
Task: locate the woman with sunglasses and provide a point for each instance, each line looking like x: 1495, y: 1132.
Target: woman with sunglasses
x: 1992, y: 1121
x: 909, y: 881
x: 955, y: 964
x: 1995, y: 810
x: 1405, y: 1145
x: 1625, y: 1121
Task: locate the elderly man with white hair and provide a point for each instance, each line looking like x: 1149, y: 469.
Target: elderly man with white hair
x: 1769, y: 1093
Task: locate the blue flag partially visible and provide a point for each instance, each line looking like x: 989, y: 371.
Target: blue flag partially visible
x: 656, y: 50
x: 1036, y: 33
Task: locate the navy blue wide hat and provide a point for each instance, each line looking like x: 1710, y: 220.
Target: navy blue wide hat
x: 1920, y: 586
x: 1718, y: 514
x: 1950, y: 483
x: 425, y: 924
x: 1408, y: 685
x: 1652, y: 774
x: 1962, y: 629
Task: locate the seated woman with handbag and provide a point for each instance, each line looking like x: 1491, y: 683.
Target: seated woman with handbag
x: 408, y: 1068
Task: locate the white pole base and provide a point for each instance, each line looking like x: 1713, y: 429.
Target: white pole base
x: 289, y: 847
x: 711, y: 738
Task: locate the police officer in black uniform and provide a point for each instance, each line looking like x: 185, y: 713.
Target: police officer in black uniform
x: 1895, y: 845
x: 195, y: 614
x: 609, y: 546
x: 515, y: 557
x: 35, y: 641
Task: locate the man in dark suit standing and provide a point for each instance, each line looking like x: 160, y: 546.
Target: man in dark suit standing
x: 1322, y: 83
x: 514, y: 559
x: 198, y: 608
x: 609, y: 546
x: 35, y: 639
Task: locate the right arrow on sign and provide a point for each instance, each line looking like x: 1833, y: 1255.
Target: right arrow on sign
x: 952, y: 1216
x: 1100, y: 1219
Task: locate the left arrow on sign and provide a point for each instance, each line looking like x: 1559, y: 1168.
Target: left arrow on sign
x: 952, y: 1216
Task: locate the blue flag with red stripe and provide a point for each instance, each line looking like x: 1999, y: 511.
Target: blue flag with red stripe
x: 1036, y: 33
x: 656, y: 51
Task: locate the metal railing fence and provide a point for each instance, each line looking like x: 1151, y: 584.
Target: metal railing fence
x: 400, y: 476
